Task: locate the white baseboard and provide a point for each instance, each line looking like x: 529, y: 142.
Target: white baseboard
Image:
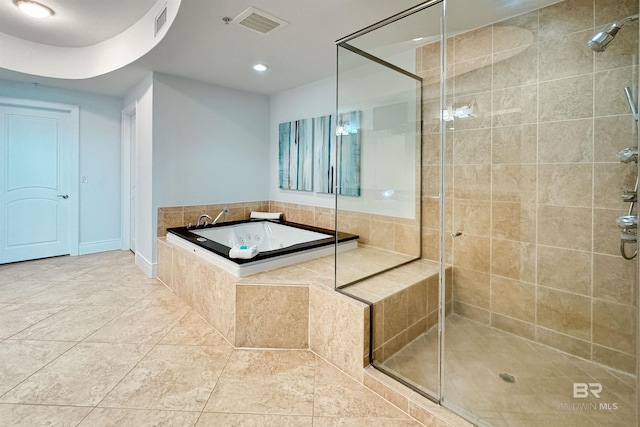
x: 147, y: 267
x: 101, y: 246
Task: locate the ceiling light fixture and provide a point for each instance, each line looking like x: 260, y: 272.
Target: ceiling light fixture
x: 260, y: 67
x: 34, y: 9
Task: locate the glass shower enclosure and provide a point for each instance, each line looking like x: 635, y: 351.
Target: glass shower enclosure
x: 496, y: 206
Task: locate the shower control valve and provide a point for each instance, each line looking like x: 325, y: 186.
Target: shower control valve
x: 628, y: 155
x: 630, y: 196
x: 627, y: 222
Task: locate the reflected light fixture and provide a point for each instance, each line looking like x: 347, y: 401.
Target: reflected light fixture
x: 260, y: 67
x: 388, y: 194
x: 344, y: 128
x: 34, y: 9
x: 460, y: 111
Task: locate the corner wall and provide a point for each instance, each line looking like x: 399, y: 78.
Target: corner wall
x: 197, y: 144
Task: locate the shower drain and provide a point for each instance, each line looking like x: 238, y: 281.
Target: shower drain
x: 508, y: 377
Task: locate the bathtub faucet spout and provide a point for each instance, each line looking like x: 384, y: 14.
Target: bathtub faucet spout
x: 205, y: 217
x: 223, y: 211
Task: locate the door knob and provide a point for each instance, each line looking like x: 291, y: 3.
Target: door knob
x: 64, y: 196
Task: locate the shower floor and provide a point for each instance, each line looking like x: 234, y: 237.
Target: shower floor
x: 543, y: 394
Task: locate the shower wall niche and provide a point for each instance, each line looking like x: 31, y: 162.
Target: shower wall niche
x: 519, y: 194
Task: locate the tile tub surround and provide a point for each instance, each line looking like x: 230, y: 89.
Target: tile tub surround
x: 338, y: 325
x: 534, y: 184
x: 140, y: 356
x: 252, y: 311
x: 285, y: 299
x: 379, y: 231
x: 179, y: 216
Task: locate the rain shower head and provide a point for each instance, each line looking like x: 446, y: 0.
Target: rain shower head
x: 601, y: 40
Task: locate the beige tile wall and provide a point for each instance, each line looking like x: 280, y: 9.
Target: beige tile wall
x: 403, y: 316
x: 283, y: 308
x: 391, y: 233
x: 533, y: 180
x: 179, y: 216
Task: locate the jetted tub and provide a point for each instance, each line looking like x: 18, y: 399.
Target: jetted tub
x: 279, y: 243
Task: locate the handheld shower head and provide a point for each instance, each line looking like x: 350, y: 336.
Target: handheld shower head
x: 222, y: 212
x: 602, y: 39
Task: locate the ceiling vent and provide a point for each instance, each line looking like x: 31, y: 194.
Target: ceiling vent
x: 259, y: 21
x: 161, y: 19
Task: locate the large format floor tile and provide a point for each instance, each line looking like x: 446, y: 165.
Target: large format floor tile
x: 90, y: 341
x: 21, y: 359
x: 282, y: 383
x: 41, y: 415
x: 171, y: 377
x: 81, y: 376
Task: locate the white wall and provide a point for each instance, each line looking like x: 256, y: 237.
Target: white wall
x: 389, y: 135
x: 210, y: 143
x: 313, y: 100
x: 145, y: 220
x: 99, y: 160
x: 384, y: 156
x: 196, y: 144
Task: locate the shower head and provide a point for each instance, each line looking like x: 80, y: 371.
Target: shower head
x: 601, y: 40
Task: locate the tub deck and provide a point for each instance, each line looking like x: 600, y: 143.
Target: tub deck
x: 218, y: 254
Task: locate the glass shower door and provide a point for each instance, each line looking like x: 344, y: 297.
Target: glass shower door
x: 378, y: 83
x: 520, y: 305
x: 543, y: 328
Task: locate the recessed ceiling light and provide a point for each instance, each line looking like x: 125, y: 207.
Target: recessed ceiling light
x: 34, y: 9
x: 260, y: 67
x: 417, y: 39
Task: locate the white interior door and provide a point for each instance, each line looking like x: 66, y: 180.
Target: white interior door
x: 37, y: 192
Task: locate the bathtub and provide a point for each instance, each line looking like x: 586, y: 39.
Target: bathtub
x: 279, y: 243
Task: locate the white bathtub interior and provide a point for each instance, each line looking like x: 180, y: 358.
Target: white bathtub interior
x: 287, y: 236
x: 267, y: 236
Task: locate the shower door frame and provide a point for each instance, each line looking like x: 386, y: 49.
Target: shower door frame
x: 441, y: 205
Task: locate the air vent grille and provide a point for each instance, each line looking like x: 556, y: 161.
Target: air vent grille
x: 161, y: 19
x: 259, y: 21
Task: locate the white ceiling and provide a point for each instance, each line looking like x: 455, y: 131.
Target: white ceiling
x: 200, y: 46
x: 76, y: 23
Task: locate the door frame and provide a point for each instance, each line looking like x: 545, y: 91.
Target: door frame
x: 127, y: 114
x: 73, y: 220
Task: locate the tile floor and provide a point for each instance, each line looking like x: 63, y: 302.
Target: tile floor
x: 91, y: 341
x: 475, y: 356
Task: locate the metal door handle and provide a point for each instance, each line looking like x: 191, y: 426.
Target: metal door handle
x: 64, y: 196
